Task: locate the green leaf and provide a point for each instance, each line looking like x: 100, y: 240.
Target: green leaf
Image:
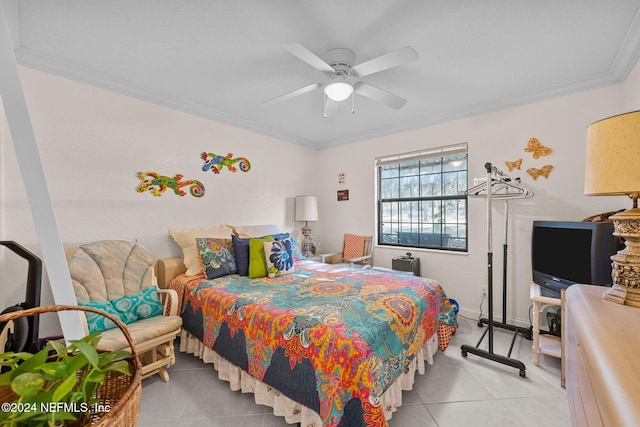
x: 64, y: 388
x: 77, y: 396
x: 23, y: 355
x: 77, y: 362
x: 27, y: 384
x: 119, y: 366
x: 44, y: 397
x: 88, y: 350
x: 93, y: 339
x: 32, y: 362
x: 95, y: 376
x: 12, y: 360
x: 89, y: 389
x: 5, y: 379
x: 58, y: 347
x: 53, y: 370
x: 112, y: 356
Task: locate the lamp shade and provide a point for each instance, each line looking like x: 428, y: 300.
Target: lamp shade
x: 612, y: 164
x: 306, y: 208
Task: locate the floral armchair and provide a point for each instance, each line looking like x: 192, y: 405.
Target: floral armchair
x: 117, y: 276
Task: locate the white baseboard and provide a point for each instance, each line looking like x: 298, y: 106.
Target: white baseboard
x: 475, y: 315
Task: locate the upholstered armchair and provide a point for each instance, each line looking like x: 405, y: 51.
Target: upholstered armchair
x: 356, y: 251
x: 117, y: 276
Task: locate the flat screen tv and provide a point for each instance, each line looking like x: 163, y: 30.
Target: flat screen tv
x: 564, y: 253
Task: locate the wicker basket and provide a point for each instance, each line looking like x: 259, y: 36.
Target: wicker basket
x: 119, y: 391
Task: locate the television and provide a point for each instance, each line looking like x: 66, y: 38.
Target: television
x: 564, y: 253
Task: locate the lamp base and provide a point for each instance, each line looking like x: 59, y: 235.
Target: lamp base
x: 306, y: 241
x: 626, y: 263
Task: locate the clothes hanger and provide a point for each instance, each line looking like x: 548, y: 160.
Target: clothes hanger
x: 501, y: 188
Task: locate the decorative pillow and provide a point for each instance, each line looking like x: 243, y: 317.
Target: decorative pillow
x: 241, y: 251
x: 216, y: 256
x: 97, y: 322
x: 279, y: 257
x: 247, y: 231
x: 295, y: 246
x: 257, y: 260
x: 186, y: 239
x: 142, y: 305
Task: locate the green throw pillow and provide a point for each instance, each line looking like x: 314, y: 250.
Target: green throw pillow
x: 97, y: 322
x: 142, y: 305
x: 257, y: 259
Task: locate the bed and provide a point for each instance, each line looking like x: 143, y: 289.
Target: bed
x: 323, y: 345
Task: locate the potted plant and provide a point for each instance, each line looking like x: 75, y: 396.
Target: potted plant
x: 58, y: 385
x: 72, y: 385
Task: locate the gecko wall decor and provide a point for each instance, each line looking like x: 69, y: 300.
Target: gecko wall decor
x: 157, y: 184
x: 216, y: 163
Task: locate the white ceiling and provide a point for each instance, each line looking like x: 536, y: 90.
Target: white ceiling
x: 222, y: 58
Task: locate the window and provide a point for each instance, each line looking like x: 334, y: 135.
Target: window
x: 421, y: 199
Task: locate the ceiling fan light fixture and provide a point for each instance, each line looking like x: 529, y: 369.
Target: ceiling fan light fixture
x: 338, y: 91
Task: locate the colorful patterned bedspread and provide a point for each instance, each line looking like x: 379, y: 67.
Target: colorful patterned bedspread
x: 330, y: 338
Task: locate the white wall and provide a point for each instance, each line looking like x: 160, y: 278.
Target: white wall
x: 93, y: 143
x: 558, y: 123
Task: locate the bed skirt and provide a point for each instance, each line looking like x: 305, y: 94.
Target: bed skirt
x: 294, y: 412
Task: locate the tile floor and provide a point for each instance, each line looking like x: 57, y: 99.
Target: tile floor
x: 470, y: 391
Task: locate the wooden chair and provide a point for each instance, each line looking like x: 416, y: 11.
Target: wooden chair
x: 357, y: 251
x: 119, y: 275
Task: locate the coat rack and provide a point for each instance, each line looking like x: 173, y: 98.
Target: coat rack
x: 498, y: 186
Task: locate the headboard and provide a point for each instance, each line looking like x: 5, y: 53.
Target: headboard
x: 168, y: 268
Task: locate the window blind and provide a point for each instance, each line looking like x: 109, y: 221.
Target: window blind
x: 449, y: 150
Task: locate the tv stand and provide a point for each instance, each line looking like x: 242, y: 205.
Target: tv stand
x: 544, y: 343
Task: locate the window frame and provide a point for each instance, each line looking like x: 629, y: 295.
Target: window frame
x: 432, y: 243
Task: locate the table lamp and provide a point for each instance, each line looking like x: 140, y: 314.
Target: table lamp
x: 306, y: 210
x: 613, y: 169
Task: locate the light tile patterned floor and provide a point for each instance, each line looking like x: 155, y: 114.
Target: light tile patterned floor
x: 470, y: 391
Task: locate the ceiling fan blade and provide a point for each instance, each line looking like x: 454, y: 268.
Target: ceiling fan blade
x: 309, y: 57
x: 379, y: 95
x: 294, y: 93
x: 386, y: 61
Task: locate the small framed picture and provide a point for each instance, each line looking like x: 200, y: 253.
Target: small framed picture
x: 343, y: 195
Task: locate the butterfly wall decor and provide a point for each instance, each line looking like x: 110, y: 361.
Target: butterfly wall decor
x: 543, y: 171
x: 513, y: 165
x: 537, y: 149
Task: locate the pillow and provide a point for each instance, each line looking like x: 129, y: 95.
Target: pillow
x: 241, y: 251
x: 257, y: 260
x: 216, y: 257
x: 97, y: 322
x: 295, y: 246
x: 247, y: 231
x: 279, y: 257
x: 186, y: 239
x: 142, y: 305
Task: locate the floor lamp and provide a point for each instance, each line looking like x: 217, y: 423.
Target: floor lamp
x: 306, y: 210
x: 613, y: 169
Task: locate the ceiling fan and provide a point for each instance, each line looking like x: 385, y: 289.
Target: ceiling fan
x: 343, y: 76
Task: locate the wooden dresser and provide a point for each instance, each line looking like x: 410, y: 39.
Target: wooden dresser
x: 602, y: 359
